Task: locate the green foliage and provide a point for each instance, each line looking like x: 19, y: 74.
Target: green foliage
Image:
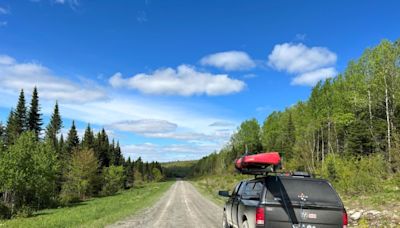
x: 113, y: 177
x: 27, y: 172
x: 11, y: 133
x: 355, y: 174
x: 248, y: 135
x: 24, y: 212
x: 81, y: 176
x: 5, y: 212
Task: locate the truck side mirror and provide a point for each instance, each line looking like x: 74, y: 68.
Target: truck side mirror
x: 224, y: 193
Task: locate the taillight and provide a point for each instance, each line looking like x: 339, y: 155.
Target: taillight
x: 260, y: 216
x: 345, y: 219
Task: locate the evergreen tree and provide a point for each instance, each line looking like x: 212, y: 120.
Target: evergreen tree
x: 11, y: 133
x: 2, y: 136
x: 72, y: 139
x: 88, y: 138
x: 20, y: 114
x: 54, y: 127
x: 103, y: 148
x: 34, y: 116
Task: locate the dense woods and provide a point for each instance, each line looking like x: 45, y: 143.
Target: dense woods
x: 41, y: 169
x: 347, y: 131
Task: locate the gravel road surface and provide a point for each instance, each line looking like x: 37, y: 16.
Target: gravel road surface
x: 181, y: 206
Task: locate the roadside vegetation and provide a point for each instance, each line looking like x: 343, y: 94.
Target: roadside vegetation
x: 348, y: 132
x: 39, y: 169
x: 96, y: 212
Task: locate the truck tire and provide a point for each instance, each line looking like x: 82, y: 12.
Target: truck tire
x: 245, y: 224
x: 225, y: 222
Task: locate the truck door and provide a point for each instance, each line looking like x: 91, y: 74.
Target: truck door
x: 235, y: 204
x: 228, y: 209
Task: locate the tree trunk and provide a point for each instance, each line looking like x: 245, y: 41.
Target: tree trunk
x: 389, y: 146
x: 322, y: 146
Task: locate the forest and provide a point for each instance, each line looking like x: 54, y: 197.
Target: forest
x: 348, y: 130
x: 40, y: 169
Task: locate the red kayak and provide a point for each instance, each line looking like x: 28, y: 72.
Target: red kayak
x: 256, y: 160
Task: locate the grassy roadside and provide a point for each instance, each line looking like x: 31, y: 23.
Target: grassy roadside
x: 210, y: 185
x: 96, y: 212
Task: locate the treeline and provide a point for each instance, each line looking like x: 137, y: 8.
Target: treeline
x: 348, y: 128
x: 41, y: 169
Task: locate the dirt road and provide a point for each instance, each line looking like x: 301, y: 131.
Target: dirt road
x: 181, y: 206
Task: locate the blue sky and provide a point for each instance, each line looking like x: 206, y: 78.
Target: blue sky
x: 171, y: 80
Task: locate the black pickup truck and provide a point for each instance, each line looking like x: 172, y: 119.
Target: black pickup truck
x: 283, y: 200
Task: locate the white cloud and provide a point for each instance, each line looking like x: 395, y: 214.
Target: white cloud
x: 184, y: 81
x: 152, y: 117
x: 311, y: 78
x: 298, y: 58
x: 145, y: 126
x: 15, y: 76
x: 222, y: 124
x: 6, y: 60
x: 311, y: 64
x: 229, y: 60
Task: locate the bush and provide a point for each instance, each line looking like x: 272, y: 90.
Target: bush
x: 81, y: 177
x: 355, y: 174
x: 5, y: 212
x: 113, y: 180
x: 24, y: 212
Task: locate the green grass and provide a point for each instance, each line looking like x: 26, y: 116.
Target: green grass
x: 210, y: 185
x: 96, y: 212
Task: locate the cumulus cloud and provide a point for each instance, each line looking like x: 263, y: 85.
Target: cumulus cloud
x: 311, y: 78
x: 15, y: 76
x: 145, y: 126
x: 308, y: 63
x: 184, y: 81
x: 229, y: 60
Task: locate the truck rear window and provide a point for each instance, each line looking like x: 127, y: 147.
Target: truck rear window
x: 313, y: 192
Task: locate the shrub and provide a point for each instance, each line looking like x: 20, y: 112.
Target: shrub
x: 113, y: 180
x: 5, y: 212
x: 24, y: 212
x: 81, y: 176
x: 355, y: 174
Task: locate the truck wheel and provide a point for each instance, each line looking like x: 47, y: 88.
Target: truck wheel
x: 245, y: 224
x: 225, y: 222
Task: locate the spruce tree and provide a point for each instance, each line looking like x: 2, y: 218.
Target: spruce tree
x: 72, y: 139
x: 54, y: 126
x: 119, y: 159
x: 88, y: 138
x: 20, y: 114
x: 2, y: 136
x: 102, y: 147
x: 34, y: 116
x: 11, y: 133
